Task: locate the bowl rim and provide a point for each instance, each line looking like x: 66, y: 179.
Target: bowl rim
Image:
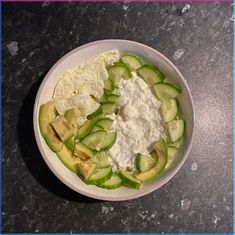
x: 65, y: 181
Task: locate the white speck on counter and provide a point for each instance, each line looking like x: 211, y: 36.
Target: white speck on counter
x: 192, y: 212
x: 185, y: 204
x: 232, y: 18
x: 105, y: 210
x: 36, y: 231
x: 125, y: 7
x: 185, y: 8
x: 13, y: 48
x: 178, y: 54
x: 171, y: 216
x: 143, y: 214
x: 194, y: 166
x: 45, y: 4
x: 215, y: 219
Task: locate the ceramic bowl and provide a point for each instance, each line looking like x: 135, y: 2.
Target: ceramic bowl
x: 74, y: 58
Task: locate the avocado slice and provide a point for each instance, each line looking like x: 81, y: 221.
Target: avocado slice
x: 83, y: 152
x: 62, y: 128
x: 87, y: 169
x: 129, y: 179
x: 68, y: 159
x: 47, y: 114
x: 160, y: 153
x: 71, y: 117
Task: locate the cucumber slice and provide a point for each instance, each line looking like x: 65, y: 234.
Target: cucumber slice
x: 144, y: 162
x: 97, y: 113
x: 96, y: 128
x: 108, y: 108
x: 129, y: 180
x: 113, y: 98
x: 101, y: 159
x: 109, y: 141
x: 85, y: 129
x: 177, y: 144
x: 114, y: 182
x: 119, y: 71
x: 169, y: 110
x: 131, y: 61
x: 108, y: 85
x: 166, y: 91
x: 105, y: 123
x: 115, y: 90
x: 150, y: 74
x: 86, y: 169
x: 175, y: 129
x: 95, y: 140
x: 171, y: 151
x: 103, y: 98
x: 83, y: 152
x: 100, y: 176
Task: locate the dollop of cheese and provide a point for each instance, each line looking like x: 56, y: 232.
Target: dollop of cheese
x: 138, y: 123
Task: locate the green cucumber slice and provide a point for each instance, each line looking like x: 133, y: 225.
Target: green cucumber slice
x: 166, y: 91
x: 144, y: 162
x: 113, y: 98
x: 95, y: 140
x: 114, y: 182
x: 108, y: 85
x: 115, y: 90
x: 131, y: 61
x: 175, y: 129
x: 97, y: 113
x: 177, y: 144
x: 129, y: 179
x: 105, y: 123
x: 83, y: 152
x: 171, y: 151
x: 101, y: 159
x: 96, y: 128
x: 109, y: 141
x: 100, y: 176
x: 169, y: 110
x: 85, y: 129
x: 108, y: 108
x: 103, y: 98
x: 150, y: 74
x: 119, y: 71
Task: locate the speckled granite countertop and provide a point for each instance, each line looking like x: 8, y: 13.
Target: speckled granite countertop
x: 199, y: 41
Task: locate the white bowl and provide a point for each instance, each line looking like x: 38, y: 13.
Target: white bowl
x: 74, y: 58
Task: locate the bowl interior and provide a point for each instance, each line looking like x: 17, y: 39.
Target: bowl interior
x: 74, y: 58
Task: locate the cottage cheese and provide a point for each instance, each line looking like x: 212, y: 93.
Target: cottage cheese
x: 138, y: 123
x: 76, y: 85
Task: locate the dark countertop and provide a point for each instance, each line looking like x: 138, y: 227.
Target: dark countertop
x: 199, y: 198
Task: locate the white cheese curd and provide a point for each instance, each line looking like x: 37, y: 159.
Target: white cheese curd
x: 85, y: 104
x: 77, y: 84
x: 88, y: 77
x: 138, y: 123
